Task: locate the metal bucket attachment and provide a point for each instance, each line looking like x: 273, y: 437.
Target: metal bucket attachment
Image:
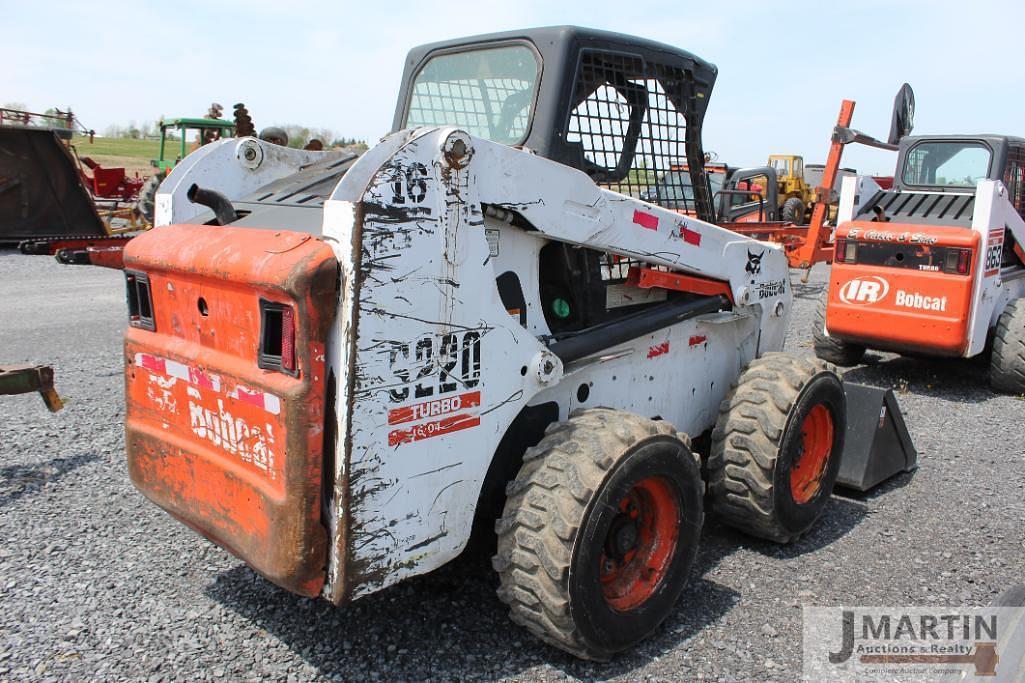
x: 878, y: 445
x: 41, y: 192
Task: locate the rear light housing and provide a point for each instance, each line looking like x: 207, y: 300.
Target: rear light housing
x: 845, y: 251
x: 140, y: 300
x: 957, y: 261
x: 277, y: 338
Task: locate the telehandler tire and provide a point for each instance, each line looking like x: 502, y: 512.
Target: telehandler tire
x: 599, y: 532
x: 776, y: 447
x: 831, y: 349
x: 1007, y: 362
x: 793, y: 211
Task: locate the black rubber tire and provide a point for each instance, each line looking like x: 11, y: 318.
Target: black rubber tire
x: 793, y: 211
x: 557, y: 518
x: 1007, y: 362
x: 758, y: 438
x: 831, y: 349
x: 146, y: 202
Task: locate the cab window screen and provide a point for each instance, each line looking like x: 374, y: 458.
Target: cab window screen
x: 488, y: 93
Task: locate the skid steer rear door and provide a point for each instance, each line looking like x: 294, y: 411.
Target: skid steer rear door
x: 225, y: 389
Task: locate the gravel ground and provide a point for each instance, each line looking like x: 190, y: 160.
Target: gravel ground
x: 96, y: 582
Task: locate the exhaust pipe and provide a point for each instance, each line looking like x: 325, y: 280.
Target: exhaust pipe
x: 214, y: 200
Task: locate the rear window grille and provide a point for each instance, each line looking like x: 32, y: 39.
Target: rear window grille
x: 631, y: 128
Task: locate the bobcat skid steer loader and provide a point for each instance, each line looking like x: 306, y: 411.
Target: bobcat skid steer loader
x: 337, y: 369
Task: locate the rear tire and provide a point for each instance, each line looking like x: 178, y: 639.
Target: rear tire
x: 776, y: 447
x: 793, y: 211
x: 599, y: 532
x: 831, y: 349
x: 1007, y: 362
x: 146, y: 203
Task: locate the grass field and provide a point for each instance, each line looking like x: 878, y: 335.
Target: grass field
x: 133, y: 155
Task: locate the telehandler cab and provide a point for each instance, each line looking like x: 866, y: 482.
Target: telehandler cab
x: 338, y: 368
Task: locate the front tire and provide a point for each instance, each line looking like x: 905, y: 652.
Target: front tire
x: 599, y: 532
x: 1007, y: 362
x: 793, y: 211
x: 776, y: 447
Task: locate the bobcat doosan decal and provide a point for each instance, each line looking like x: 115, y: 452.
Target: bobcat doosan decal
x: 754, y: 262
x: 887, y: 236
x: 767, y: 290
x: 867, y: 289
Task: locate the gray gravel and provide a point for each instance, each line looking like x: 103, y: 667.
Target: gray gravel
x: 96, y: 582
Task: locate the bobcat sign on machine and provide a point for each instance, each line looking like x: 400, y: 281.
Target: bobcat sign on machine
x: 338, y: 369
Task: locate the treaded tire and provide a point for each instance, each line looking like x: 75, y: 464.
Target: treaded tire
x: 758, y: 442
x: 559, y: 518
x: 793, y: 211
x: 1007, y: 363
x: 831, y: 349
x: 146, y: 202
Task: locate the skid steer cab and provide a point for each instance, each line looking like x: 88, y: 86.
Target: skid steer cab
x: 338, y: 369
x: 934, y: 265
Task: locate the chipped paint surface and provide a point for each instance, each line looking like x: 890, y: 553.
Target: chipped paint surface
x: 232, y: 449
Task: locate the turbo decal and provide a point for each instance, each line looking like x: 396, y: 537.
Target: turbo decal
x: 429, y: 430
x: 867, y: 289
x: 435, y: 408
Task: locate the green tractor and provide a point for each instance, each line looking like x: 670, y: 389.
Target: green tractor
x: 207, y: 130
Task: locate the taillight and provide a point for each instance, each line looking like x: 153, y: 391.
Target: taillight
x: 957, y: 261
x: 845, y: 251
x: 840, y: 249
x: 288, y: 339
x: 140, y: 300
x: 277, y: 338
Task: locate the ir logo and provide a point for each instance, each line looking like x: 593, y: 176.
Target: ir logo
x: 864, y: 290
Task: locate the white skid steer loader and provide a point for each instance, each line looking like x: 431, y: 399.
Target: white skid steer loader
x: 337, y: 369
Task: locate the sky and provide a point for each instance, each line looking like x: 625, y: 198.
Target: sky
x: 783, y: 67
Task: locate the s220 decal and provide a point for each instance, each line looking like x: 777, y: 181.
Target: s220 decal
x: 436, y: 365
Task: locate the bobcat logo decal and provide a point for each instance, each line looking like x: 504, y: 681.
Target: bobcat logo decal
x: 754, y: 262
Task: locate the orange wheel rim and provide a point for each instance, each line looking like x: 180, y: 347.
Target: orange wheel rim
x: 640, y: 544
x: 810, y: 463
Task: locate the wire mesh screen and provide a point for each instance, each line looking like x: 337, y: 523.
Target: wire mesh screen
x: 488, y: 93
x: 1014, y: 178
x: 630, y: 126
